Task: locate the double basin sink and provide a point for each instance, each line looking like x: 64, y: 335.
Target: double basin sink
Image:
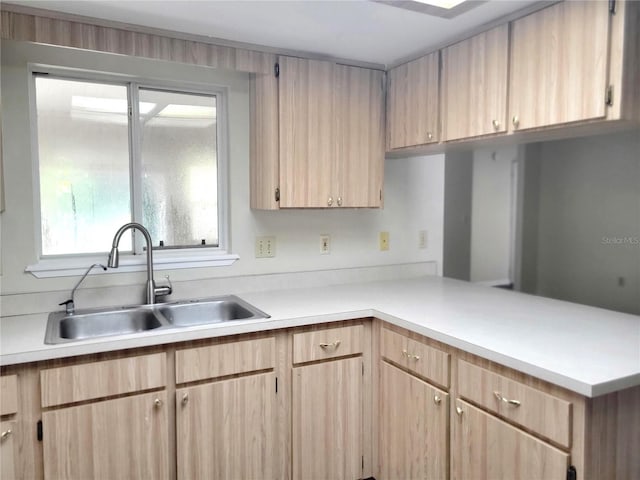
x: 87, y: 324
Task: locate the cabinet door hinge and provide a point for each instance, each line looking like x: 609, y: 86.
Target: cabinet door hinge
x: 277, y: 195
x: 39, y: 430
x: 276, y: 384
x: 608, y: 96
x: 572, y: 474
x: 276, y: 70
x: 363, y: 463
x: 130, y: 111
x: 612, y: 7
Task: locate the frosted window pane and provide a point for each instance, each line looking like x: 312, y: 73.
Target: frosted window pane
x: 83, y: 148
x: 179, y: 167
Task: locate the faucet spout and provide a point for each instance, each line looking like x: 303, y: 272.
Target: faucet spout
x: 114, y: 259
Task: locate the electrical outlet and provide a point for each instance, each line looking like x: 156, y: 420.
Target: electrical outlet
x: 325, y: 244
x: 384, y: 241
x: 422, y: 239
x: 265, y: 247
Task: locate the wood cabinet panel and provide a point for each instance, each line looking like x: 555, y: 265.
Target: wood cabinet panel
x: 413, y: 103
x: 327, y: 343
x: 474, y: 85
x: 490, y: 449
x: 359, y: 118
x: 559, y: 65
x: 538, y: 411
x: 122, y: 438
x: 232, y: 358
x: 327, y: 425
x: 76, y: 383
x: 8, y: 394
x: 306, y: 131
x: 226, y: 430
x: 414, y: 424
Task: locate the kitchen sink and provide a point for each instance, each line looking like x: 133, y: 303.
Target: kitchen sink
x: 215, y: 310
x: 64, y: 327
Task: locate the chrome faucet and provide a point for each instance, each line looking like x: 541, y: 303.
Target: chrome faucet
x: 69, y: 305
x: 151, y: 290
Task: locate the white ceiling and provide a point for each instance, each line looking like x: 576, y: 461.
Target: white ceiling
x: 350, y: 29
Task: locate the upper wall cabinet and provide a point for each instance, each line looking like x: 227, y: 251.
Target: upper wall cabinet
x: 412, y: 103
x: 330, y: 136
x: 474, y: 85
x: 559, y: 65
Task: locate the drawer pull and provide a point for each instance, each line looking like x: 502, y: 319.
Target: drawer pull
x: 185, y: 399
x: 157, y: 403
x: 5, y: 434
x: 333, y: 345
x: 499, y: 396
x: 437, y: 400
x: 410, y: 356
x: 459, y: 411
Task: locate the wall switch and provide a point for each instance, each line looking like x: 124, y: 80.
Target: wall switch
x: 325, y: 244
x: 422, y: 239
x: 384, y: 241
x: 265, y: 247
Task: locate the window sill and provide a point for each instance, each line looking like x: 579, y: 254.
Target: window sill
x: 77, y: 265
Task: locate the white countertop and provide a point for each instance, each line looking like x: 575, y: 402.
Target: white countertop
x: 588, y: 350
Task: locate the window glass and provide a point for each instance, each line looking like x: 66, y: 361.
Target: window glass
x: 83, y: 153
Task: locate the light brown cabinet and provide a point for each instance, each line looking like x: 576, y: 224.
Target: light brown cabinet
x: 7, y: 450
x: 330, y: 149
x: 474, y: 85
x: 413, y: 103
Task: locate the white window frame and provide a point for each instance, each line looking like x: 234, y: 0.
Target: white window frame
x: 163, y: 259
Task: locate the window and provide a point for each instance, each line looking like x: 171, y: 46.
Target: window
x: 113, y: 151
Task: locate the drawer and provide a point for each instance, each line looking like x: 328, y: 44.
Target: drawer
x: 423, y: 360
x: 76, y: 383
x: 223, y: 359
x: 328, y: 343
x: 528, y: 407
x: 8, y: 394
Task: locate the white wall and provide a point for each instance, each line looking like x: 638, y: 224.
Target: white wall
x: 491, y: 214
x: 413, y: 192
x: 589, y: 221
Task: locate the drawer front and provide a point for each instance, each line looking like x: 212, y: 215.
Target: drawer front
x: 329, y: 343
x: 76, y: 383
x: 8, y: 394
x: 533, y: 409
x: 213, y: 361
x: 423, y: 360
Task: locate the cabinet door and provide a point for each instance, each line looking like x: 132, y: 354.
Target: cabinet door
x: 307, y: 136
x: 559, y: 59
x: 474, y: 85
x: 412, y: 103
x: 122, y: 438
x: 359, y: 104
x: 489, y: 449
x: 327, y: 427
x: 7, y: 460
x: 225, y: 430
x: 413, y: 427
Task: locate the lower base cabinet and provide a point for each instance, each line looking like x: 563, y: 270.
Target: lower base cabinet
x: 491, y: 449
x: 122, y: 438
x: 226, y: 430
x: 327, y: 420
x: 414, y: 420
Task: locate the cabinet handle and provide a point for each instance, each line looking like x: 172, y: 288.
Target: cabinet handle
x: 333, y: 345
x: 330, y: 201
x: 516, y: 121
x: 499, y: 396
x: 459, y: 411
x: 429, y: 135
x: 339, y: 201
x: 437, y: 400
x: 496, y: 124
x: 157, y: 403
x: 5, y: 434
x: 410, y: 356
x: 185, y: 399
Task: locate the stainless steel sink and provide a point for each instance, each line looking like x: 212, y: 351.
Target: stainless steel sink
x: 212, y: 310
x: 86, y: 324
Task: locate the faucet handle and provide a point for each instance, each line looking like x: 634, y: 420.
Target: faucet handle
x: 164, y: 290
x: 69, y: 306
